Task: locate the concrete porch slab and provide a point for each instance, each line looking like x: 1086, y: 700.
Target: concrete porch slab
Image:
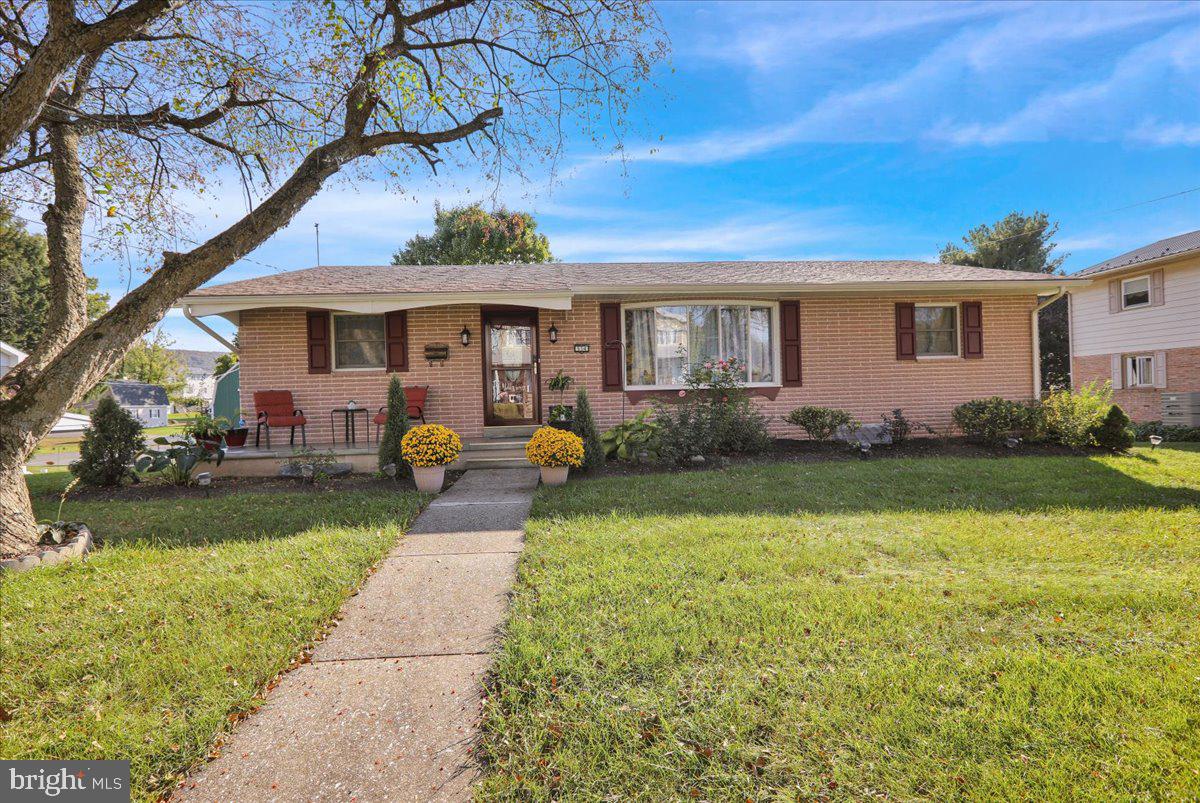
x: 428, y: 605
x: 397, y: 730
x: 458, y: 543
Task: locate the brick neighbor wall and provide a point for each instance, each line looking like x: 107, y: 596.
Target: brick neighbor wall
x: 1142, y: 404
x: 848, y: 361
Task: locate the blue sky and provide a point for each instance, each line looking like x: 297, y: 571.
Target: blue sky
x: 792, y: 131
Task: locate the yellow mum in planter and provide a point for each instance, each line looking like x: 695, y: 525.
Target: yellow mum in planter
x: 554, y: 447
x: 430, y: 445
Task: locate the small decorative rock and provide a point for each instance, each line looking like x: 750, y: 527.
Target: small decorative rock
x: 697, y: 459
x: 79, y: 544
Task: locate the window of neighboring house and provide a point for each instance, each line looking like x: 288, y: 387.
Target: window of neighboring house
x: 1139, y: 371
x: 359, y: 342
x: 662, y: 341
x: 1135, y: 292
x: 937, y: 330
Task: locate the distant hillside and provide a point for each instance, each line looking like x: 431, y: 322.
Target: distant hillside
x: 197, y: 362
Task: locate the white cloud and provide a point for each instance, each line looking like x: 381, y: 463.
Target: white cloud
x: 735, y: 236
x: 943, y: 95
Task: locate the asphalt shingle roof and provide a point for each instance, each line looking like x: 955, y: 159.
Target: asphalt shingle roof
x: 137, y: 394
x: 1171, y: 246
x: 582, y: 277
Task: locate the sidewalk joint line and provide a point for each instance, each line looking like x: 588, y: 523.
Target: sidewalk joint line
x: 394, y: 657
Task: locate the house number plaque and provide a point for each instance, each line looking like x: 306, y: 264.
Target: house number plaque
x: 583, y: 348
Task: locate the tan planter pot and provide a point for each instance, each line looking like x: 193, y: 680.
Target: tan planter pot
x: 429, y: 479
x: 554, y: 475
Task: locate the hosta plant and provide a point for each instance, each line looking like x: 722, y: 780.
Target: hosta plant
x: 177, y: 461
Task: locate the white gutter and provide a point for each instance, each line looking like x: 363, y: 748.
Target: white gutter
x: 187, y: 313
x: 1037, y: 341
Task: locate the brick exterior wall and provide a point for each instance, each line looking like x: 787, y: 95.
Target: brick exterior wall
x: 848, y: 359
x: 1142, y: 404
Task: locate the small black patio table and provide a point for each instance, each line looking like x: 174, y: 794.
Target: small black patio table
x: 350, y: 431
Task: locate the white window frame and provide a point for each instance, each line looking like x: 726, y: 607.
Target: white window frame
x: 333, y: 342
x: 776, y: 346
x: 1131, y: 362
x: 957, y: 331
x: 1149, y: 292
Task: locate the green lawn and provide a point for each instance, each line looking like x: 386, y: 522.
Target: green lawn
x: 145, y: 650
x: 57, y: 444
x: 1022, y: 628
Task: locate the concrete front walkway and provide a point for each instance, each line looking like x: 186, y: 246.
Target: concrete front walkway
x: 388, y: 708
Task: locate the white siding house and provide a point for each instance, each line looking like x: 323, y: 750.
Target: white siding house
x: 1138, y: 324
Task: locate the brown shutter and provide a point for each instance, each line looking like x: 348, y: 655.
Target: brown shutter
x: 1114, y: 296
x: 906, y: 331
x: 789, y: 327
x: 319, y: 361
x: 396, y: 331
x: 610, y: 341
x: 972, y: 329
x: 1158, y: 296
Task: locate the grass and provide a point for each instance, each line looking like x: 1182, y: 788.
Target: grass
x: 1020, y: 629
x: 146, y: 650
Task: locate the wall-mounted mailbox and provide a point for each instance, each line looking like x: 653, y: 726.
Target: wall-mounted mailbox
x: 437, y: 352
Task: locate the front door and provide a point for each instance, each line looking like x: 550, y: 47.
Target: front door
x: 510, y: 368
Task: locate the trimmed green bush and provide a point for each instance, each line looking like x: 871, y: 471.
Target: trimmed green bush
x: 1114, y: 433
x: 583, y: 424
x: 109, y: 446
x: 992, y: 420
x: 1169, y: 432
x: 821, y: 423
x: 394, y: 429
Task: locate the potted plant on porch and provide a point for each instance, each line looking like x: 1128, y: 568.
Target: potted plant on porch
x: 429, y: 448
x: 560, y: 414
x: 207, y: 431
x: 554, y: 451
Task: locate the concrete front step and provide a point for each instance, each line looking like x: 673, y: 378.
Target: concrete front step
x: 496, y: 444
x: 514, y: 431
x: 492, y: 461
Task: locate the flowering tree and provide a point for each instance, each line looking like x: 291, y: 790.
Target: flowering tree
x: 122, y: 110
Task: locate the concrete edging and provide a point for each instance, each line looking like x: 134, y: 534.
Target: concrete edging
x: 77, y: 547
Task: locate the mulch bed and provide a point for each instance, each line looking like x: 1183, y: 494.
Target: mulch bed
x: 796, y: 451
x: 226, y: 486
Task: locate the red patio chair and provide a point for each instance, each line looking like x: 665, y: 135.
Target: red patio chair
x: 415, y: 396
x: 275, y: 408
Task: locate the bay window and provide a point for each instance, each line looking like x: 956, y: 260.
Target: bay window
x: 661, y: 341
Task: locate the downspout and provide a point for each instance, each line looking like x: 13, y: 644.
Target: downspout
x: 1037, y: 340
x: 187, y: 313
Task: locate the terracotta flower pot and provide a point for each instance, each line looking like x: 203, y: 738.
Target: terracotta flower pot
x: 554, y: 475
x: 429, y: 479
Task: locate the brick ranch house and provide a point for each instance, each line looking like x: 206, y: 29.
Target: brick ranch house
x: 1138, y: 325
x: 865, y: 336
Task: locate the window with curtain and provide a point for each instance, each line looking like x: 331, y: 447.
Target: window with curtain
x: 660, y: 342
x: 937, y: 330
x: 359, y: 341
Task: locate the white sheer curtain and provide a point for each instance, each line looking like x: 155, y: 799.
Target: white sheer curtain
x: 639, y: 346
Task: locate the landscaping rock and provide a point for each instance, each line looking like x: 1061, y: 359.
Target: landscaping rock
x: 336, y: 470
x: 874, y: 434
x: 79, y: 544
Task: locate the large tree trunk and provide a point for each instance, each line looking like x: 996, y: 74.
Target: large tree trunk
x: 18, y: 528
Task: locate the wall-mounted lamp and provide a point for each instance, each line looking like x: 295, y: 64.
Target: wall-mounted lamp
x: 553, y: 333
x: 465, y: 336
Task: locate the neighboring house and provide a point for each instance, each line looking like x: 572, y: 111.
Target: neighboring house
x: 70, y: 423
x: 865, y: 336
x: 9, y: 357
x: 147, y: 403
x: 1138, y: 325
x: 199, y: 366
